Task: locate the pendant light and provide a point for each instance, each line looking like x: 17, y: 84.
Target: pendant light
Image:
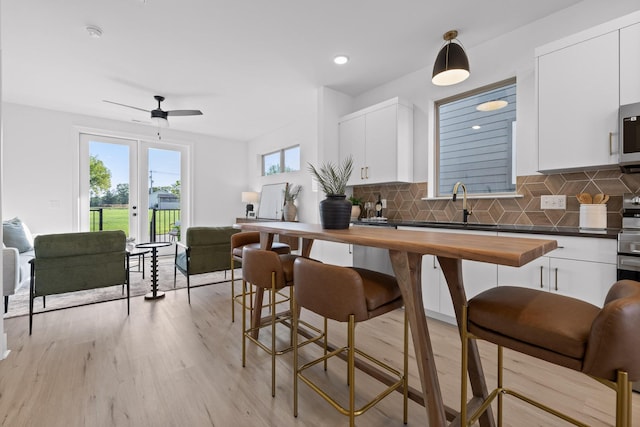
x: 452, y: 64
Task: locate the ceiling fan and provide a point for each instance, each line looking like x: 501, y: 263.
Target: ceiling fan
x: 158, y: 115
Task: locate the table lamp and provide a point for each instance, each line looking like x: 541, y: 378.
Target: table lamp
x: 249, y: 197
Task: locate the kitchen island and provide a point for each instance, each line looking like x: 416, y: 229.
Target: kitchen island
x: 406, y: 249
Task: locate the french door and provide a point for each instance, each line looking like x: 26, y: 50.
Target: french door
x: 136, y: 186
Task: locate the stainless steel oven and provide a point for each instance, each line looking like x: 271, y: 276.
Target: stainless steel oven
x: 629, y: 244
x: 629, y: 239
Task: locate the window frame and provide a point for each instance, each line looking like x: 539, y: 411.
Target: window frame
x: 283, y: 166
x: 434, y: 177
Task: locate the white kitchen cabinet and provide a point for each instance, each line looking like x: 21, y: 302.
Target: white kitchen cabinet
x: 630, y: 64
x: 332, y: 253
x: 581, y: 267
x: 477, y: 276
x: 578, y: 101
x: 380, y: 140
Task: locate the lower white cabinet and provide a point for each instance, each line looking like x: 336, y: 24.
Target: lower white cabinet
x: 332, y: 253
x: 477, y: 276
x: 581, y: 267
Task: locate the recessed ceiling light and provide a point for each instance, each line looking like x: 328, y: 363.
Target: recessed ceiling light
x: 94, y: 31
x: 341, y: 59
x: 475, y: 127
x: 492, y: 105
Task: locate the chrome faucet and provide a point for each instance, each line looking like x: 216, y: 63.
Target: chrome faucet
x: 465, y: 212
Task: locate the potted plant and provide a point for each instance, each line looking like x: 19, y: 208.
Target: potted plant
x: 356, y: 208
x: 291, y: 193
x: 335, y: 210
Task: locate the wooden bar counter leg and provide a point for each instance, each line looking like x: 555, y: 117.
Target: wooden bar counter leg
x: 407, y: 268
x: 452, y: 269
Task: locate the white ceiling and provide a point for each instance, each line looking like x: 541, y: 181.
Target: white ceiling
x: 251, y: 66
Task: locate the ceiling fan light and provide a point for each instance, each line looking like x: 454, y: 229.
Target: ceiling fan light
x: 451, y: 65
x: 496, y: 104
x: 160, y: 121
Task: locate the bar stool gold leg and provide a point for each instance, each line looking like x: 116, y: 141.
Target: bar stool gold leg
x: 244, y: 322
x: 295, y: 357
x: 500, y: 378
x: 351, y: 371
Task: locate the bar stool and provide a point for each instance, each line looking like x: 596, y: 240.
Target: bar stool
x: 271, y: 272
x: 249, y: 239
x: 347, y: 295
x: 602, y: 343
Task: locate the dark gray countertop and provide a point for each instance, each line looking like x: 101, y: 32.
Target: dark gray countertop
x: 609, y: 233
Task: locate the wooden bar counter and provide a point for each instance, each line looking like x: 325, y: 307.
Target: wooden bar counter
x: 405, y: 250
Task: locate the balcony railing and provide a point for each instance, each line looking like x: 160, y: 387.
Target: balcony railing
x: 164, y: 225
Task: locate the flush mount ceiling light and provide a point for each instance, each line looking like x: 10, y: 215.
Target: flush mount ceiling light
x: 496, y: 104
x: 94, y: 32
x: 452, y: 64
x: 341, y: 59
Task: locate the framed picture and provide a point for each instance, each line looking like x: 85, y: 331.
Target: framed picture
x: 272, y: 201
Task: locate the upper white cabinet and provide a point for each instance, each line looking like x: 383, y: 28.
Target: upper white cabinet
x: 380, y: 140
x: 630, y: 64
x: 578, y: 102
x: 582, y: 80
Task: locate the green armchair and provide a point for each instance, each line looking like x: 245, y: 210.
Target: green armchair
x: 71, y: 262
x: 206, y: 250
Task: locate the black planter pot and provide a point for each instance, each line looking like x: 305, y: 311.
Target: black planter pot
x: 335, y: 212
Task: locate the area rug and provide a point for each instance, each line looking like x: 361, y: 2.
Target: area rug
x: 19, y: 303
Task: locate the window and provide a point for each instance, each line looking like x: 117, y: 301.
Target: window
x: 285, y: 160
x: 475, y: 140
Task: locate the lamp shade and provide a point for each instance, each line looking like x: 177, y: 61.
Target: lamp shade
x: 249, y: 197
x: 452, y: 64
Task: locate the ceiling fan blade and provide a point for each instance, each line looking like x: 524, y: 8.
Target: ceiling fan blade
x: 125, y: 105
x: 184, y: 113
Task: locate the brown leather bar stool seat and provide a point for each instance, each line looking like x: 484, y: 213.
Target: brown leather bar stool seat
x: 270, y: 272
x: 249, y: 239
x: 603, y: 343
x: 347, y: 295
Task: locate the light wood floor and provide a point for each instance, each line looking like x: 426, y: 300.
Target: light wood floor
x: 171, y: 364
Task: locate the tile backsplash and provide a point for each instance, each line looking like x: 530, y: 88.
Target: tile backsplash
x: 404, y: 200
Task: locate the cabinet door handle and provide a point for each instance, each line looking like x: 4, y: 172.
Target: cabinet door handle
x: 610, y: 143
x: 556, y: 278
x: 366, y: 172
x: 541, y: 271
x: 434, y: 263
x: 361, y: 173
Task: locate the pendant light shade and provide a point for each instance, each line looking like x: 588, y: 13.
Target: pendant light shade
x: 452, y: 64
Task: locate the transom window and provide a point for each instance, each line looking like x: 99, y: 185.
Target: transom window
x: 475, y: 140
x: 285, y: 160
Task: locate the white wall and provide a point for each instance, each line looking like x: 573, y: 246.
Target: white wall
x: 303, y: 132
x: 509, y: 55
x: 40, y: 162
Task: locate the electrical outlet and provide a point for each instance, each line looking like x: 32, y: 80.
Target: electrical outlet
x: 553, y: 202
x: 384, y: 203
